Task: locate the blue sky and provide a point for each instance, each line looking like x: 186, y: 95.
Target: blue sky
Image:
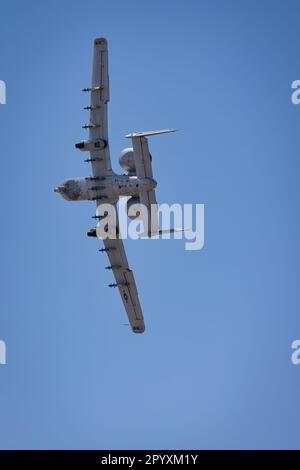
x: 213, y: 369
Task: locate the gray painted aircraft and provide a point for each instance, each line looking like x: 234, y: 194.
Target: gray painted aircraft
x: 105, y: 186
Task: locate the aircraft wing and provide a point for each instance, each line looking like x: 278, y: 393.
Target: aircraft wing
x: 101, y: 165
x: 125, y: 282
x: 98, y: 125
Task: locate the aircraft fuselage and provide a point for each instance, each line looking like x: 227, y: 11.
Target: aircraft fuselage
x: 108, y: 187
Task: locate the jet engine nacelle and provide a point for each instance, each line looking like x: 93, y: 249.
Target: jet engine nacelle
x: 130, y: 203
x: 126, y: 161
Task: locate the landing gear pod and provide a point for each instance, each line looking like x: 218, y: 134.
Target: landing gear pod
x: 91, y: 145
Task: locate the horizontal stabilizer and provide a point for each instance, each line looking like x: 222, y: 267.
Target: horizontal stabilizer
x: 148, y: 133
x: 164, y: 231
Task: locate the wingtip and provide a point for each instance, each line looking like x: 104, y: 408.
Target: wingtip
x: 100, y: 41
x: 138, y: 329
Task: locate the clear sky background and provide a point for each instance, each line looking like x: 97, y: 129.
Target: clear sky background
x: 213, y: 369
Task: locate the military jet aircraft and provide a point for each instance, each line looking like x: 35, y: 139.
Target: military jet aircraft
x: 105, y: 186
